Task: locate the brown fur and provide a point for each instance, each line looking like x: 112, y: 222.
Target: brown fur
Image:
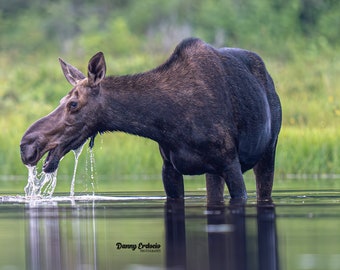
x: 212, y: 111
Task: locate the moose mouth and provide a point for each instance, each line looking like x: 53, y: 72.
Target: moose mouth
x: 54, y: 155
x: 51, y: 162
x: 31, y: 153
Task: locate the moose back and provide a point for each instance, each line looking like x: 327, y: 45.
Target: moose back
x: 212, y: 111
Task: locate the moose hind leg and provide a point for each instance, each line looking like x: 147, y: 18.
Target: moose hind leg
x: 264, y: 172
x: 215, y: 188
x: 234, y: 180
x: 172, y: 181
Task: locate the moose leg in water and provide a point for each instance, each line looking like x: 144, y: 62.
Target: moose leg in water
x: 212, y: 111
x: 172, y: 179
x: 264, y: 172
x: 215, y: 188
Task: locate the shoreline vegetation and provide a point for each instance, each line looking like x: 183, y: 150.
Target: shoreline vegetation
x: 298, y: 42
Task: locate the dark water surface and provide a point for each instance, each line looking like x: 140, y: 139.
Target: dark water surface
x: 301, y: 230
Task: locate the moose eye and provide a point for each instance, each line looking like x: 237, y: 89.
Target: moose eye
x: 73, y: 105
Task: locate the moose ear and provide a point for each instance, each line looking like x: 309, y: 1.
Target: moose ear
x: 72, y: 75
x: 96, y: 69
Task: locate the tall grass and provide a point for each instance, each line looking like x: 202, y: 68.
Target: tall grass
x: 312, y: 151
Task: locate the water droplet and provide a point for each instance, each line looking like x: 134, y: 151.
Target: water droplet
x: 76, y: 153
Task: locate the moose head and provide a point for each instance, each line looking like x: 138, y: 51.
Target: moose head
x: 74, y: 121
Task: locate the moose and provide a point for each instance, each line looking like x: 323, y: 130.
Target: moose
x: 212, y: 111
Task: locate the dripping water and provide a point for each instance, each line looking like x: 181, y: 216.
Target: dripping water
x: 76, y: 153
x: 43, y: 184
x: 36, y: 183
x: 92, y: 163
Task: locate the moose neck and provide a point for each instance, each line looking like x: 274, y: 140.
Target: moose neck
x: 136, y: 104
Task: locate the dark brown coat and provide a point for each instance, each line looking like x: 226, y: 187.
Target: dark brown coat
x: 212, y: 111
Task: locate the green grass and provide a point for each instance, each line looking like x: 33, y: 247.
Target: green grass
x: 313, y: 151
x: 308, y: 86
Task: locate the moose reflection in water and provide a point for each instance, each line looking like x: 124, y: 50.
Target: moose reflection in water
x: 218, y: 237
x: 228, y: 243
x: 212, y: 111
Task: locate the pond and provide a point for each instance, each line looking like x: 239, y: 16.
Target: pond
x: 140, y: 230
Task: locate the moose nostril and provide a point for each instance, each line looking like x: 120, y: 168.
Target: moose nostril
x: 22, y: 147
x: 22, y: 150
x: 28, y: 153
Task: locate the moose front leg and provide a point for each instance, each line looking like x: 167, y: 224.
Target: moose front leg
x: 172, y: 181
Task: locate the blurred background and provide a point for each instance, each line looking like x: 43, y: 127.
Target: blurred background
x: 298, y: 40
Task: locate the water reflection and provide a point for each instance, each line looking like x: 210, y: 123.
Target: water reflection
x: 267, y: 237
x: 82, y: 232
x: 175, y: 240
x: 59, y: 239
x: 222, y: 236
x: 227, y: 238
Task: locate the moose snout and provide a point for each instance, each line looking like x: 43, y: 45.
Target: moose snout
x: 29, y: 153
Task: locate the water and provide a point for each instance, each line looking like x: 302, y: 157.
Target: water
x: 142, y: 231
x: 44, y: 184
x: 76, y: 153
x: 36, y: 183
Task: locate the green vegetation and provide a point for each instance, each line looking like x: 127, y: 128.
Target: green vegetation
x: 298, y: 39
